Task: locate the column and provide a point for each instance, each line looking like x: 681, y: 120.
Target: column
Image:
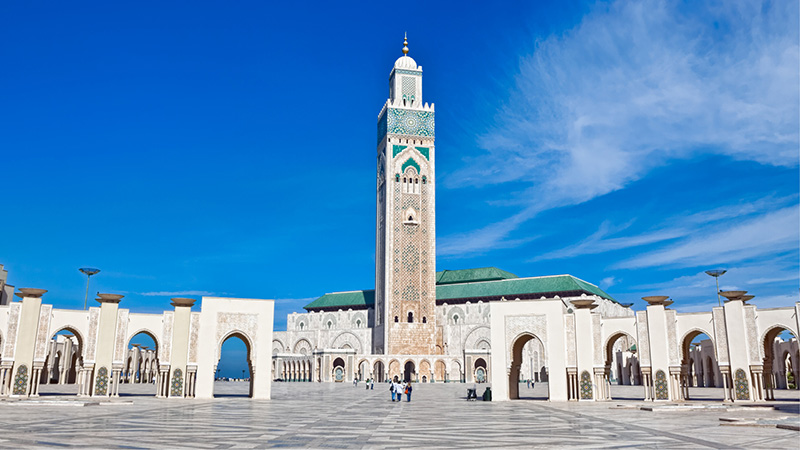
x: 3, y: 374
x: 179, y: 357
x: 646, y: 382
x: 106, y: 338
x: 116, y: 380
x: 725, y: 386
x: 28, y: 310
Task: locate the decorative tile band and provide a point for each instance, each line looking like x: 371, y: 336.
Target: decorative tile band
x: 101, y: 383
x: 21, y: 380
x: 406, y: 122
x: 408, y: 72
x: 412, y: 163
x: 586, y: 386
x: 740, y: 383
x: 176, y: 387
x: 662, y: 390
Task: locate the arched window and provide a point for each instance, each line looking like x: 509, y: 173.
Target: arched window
x: 424, y: 320
x: 358, y: 323
x: 455, y: 318
x: 302, y: 325
x: 396, y: 319
x: 330, y: 324
x: 410, y: 317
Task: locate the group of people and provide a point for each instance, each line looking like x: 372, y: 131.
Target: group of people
x: 368, y: 383
x: 398, y: 389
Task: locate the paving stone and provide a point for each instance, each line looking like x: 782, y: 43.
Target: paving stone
x: 312, y: 415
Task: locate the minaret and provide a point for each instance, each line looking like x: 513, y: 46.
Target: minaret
x: 405, y: 268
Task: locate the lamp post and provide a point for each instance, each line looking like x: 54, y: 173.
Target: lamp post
x: 88, y: 271
x: 716, y: 273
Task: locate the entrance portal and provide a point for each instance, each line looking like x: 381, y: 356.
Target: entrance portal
x: 408, y: 372
x: 515, y: 376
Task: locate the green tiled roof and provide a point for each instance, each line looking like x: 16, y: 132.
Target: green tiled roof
x: 517, y: 287
x: 468, y: 284
x: 350, y: 299
x: 472, y: 275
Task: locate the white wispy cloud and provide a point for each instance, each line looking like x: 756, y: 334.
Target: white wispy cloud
x: 699, y: 289
x: 678, y: 226
x: 607, y: 282
x: 633, y: 86
x: 767, y: 234
x: 175, y: 293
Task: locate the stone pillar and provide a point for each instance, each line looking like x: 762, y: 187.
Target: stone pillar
x: 586, y: 383
x: 648, y: 383
x: 27, y: 325
x: 179, y: 357
x: 100, y: 383
x: 739, y: 353
x: 725, y: 373
x: 757, y: 375
x: 662, y: 388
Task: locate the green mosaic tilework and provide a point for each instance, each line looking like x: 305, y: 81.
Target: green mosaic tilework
x: 406, y: 122
x: 101, y: 383
x: 586, y: 386
x: 176, y: 387
x: 424, y: 151
x: 382, y: 126
x: 740, y: 383
x: 662, y: 391
x: 408, y: 72
x: 396, y: 149
x: 21, y: 380
x: 412, y: 163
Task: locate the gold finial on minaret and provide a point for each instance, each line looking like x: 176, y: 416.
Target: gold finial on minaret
x: 405, y: 43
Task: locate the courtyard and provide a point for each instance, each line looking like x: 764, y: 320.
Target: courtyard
x: 338, y: 415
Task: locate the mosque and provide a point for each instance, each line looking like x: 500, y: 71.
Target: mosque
x: 427, y: 326
x: 418, y: 324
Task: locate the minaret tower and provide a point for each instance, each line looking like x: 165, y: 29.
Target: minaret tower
x: 405, y: 268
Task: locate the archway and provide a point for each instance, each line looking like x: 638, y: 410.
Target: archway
x: 622, y: 368
x: 439, y: 371
x: 409, y: 372
x: 424, y: 371
x: 63, y: 363
x: 363, y: 370
x: 394, y: 369
x: 339, y: 373
x: 235, y: 367
x: 515, y: 375
x: 699, y: 367
x: 479, y: 370
x: 140, y: 373
x: 378, y: 372
x: 781, y: 358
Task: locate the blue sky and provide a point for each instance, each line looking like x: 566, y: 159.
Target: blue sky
x: 205, y: 148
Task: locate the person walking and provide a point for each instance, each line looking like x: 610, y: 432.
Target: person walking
x: 366, y: 384
x: 371, y: 384
x: 408, y: 392
x: 391, y: 389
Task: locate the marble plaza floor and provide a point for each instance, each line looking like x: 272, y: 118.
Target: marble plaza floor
x: 310, y: 415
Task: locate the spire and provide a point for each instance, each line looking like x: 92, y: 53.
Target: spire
x: 405, y: 43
